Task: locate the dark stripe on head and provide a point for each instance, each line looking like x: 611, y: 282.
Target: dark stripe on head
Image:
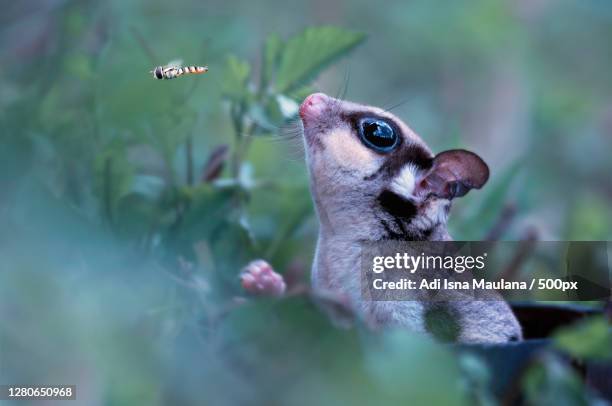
x: 396, y: 205
x: 402, y: 212
x: 412, y: 154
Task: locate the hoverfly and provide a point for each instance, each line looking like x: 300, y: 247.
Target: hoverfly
x: 174, y: 69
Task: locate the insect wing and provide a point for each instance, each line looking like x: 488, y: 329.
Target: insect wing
x: 176, y: 63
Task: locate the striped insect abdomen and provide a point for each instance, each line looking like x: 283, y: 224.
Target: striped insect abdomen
x: 192, y: 69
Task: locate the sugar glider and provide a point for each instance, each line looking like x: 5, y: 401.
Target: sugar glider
x: 374, y: 179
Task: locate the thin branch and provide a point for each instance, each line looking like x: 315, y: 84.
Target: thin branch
x: 503, y: 222
x: 145, y: 46
x: 520, y: 256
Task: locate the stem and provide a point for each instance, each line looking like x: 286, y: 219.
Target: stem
x: 240, y: 152
x: 237, y: 113
x: 523, y: 251
x: 503, y: 223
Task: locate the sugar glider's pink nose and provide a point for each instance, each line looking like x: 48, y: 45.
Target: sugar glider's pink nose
x: 313, y: 105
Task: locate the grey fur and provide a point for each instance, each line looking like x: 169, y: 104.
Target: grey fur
x: 347, y: 180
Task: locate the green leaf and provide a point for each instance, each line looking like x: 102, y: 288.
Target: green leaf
x: 204, y: 255
x: 268, y: 119
x: 550, y: 381
x: 308, y: 53
x: 149, y: 186
x: 287, y: 106
x: 135, y: 214
x: 236, y: 76
x: 389, y: 364
x: 273, y: 113
x: 272, y: 52
x: 476, y: 379
x: 80, y: 66
x: 591, y: 339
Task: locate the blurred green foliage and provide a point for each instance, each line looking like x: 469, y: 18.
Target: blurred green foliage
x: 129, y: 205
x: 549, y: 381
x: 589, y: 340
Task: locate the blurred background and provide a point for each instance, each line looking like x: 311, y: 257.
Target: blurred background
x: 128, y: 205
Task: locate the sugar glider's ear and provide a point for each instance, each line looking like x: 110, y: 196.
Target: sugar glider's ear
x: 453, y: 174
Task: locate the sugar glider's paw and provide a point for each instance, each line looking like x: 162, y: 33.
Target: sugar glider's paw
x: 258, y: 278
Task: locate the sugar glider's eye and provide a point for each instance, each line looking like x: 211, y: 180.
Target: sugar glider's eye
x: 378, y: 135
